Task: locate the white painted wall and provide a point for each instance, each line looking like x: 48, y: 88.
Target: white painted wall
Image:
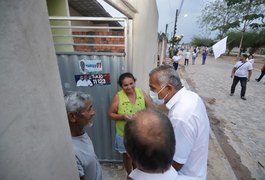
x: 144, y: 37
x: 35, y: 141
x: 145, y: 41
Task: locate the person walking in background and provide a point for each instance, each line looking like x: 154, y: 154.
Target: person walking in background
x: 197, y: 50
x: 124, y: 105
x: 187, y: 57
x: 204, y: 56
x: 176, y: 58
x: 241, y: 72
x: 150, y: 142
x: 189, y: 118
x: 262, y: 73
x: 79, y: 108
x: 251, y: 59
x: 194, y: 55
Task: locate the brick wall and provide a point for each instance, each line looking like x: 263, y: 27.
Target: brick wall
x: 96, y: 40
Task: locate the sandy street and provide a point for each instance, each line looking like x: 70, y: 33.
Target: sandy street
x: 237, y: 139
x: 238, y: 125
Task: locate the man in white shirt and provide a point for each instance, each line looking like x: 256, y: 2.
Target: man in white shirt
x: 150, y: 142
x: 241, y: 72
x: 81, y: 81
x: 189, y: 118
x: 187, y: 57
x: 176, y: 58
x: 87, y: 81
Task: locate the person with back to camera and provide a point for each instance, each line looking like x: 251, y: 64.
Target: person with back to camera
x: 176, y: 58
x: 189, y: 118
x: 150, y: 142
x: 187, y: 56
x: 241, y: 71
x: 80, y: 112
x: 124, y: 105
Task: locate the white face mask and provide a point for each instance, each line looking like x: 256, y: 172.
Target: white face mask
x: 90, y: 124
x: 155, y: 98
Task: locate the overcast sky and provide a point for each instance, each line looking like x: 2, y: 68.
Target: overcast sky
x: 186, y: 23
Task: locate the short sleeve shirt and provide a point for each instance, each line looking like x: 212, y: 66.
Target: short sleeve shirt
x: 189, y: 118
x: 86, y: 159
x: 242, y: 68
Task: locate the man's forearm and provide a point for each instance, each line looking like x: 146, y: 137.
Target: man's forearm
x: 249, y: 75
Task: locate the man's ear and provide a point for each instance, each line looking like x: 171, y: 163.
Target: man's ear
x: 71, y: 117
x: 170, y: 87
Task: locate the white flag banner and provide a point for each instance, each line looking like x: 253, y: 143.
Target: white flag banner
x: 219, y: 48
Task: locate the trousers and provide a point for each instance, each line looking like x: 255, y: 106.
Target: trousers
x: 243, y: 82
x: 261, y: 75
x: 175, y: 64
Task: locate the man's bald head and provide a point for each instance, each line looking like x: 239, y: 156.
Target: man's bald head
x: 149, y: 140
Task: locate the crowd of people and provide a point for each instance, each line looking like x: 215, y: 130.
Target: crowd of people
x: 188, y: 53
x: 241, y: 71
x: 153, y: 145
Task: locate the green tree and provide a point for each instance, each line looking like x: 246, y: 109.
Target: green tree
x: 256, y: 41
x: 233, y: 40
x: 231, y: 15
x: 250, y: 13
x: 216, y: 16
x: 253, y: 40
x: 201, y: 41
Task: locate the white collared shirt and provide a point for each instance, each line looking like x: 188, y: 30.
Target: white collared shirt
x: 189, y: 118
x: 170, y: 174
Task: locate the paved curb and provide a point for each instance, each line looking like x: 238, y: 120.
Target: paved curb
x: 218, y: 165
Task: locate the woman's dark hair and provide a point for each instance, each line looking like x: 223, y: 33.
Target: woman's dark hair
x: 125, y: 75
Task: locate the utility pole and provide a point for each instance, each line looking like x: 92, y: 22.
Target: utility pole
x: 175, y: 26
x: 174, y: 33
x: 173, y: 40
x: 166, y: 30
